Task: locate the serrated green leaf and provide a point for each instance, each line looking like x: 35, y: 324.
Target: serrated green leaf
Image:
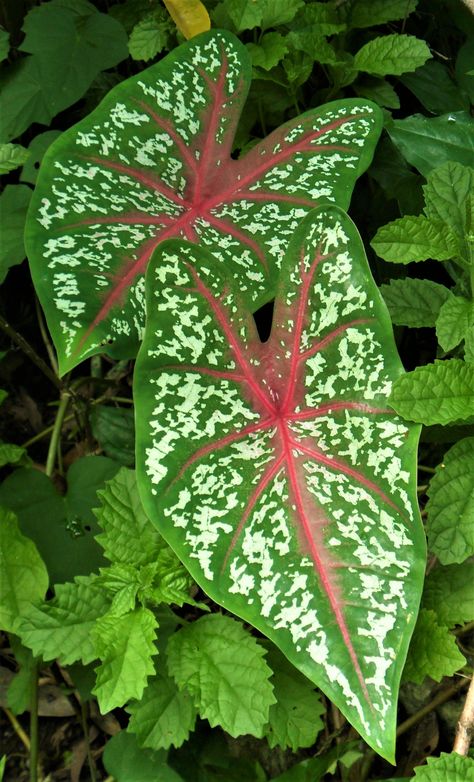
x: 433, y: 651
x: 130, y: 12
x: 165, y: 170
x: 114, y: 429
x: 243, y: 483
x: 414, y: 238
x: 66, y: 542
x: 435, y: 89
x: 368, y: 13
x: 245, y: 14
x: 295, y: 718
x: 413, y: 302
x: 448, y: 592
x: 269, y: 52
x: 317, y: 47
x: 427, y: 142
x: 127, y: 535
x: 469, y: 345
x: 449, y: 198
x: 14, y: 202
x: 12, y: 454
x: 149, y: 37
x: 126, y: 761
x: 61, y: 628
x: 277, y: 12
x: 455, y: 317
x: 447, y: 768
x: 4, y: 44
x: 222, y: 667
x: 439, y: 393
x: 392, y: 55
x: 314, y: 769
x: 164, y: 716
x: 126, y: 647
x: 450, y: 507
x: 380, y: 91
x: 12, y: 156
x: 23, y: 575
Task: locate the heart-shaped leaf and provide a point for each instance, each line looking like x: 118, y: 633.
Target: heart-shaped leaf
x: 276, y: 471
x: 153, y: 162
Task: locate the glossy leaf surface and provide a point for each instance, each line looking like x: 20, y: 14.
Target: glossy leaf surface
x: 276, y: 471
x: 153, y: 162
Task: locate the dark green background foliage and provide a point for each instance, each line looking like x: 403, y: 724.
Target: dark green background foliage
x: 126, y: 621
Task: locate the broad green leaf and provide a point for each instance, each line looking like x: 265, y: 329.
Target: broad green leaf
x: 433, y: 651
x: 164, y: 716
x: 319, y: 19
x: 149, y: 37
x: 245, y: 14
x: 70, y: 44
x: 426, y: 142
x: 439, y: 393
x: 449, y: 198
x: 126, y: 761
x: 276, y: 471
x: 14, y: 202
x: 415, y: 303
x: 190, y: 16
x: 295, y: 718
x: 23, y: 575
x: 12, y: 454
x: 130, y: 12
x: 36, y: 150
x: 396, y: 178
x: 114, y: 429
x: 12, y: 156
x: 317, y: 47
x: 447, y: 768
x: 269, y: 52
x: 455, y: 318
x: 435, y: 89
x: 278, y: 12
x: 414, y: 238
x: 153, y: 162
x: 392, y: 54
x: 450, y: 508
x: 448, y: 592
x: 314, y: 769
x: 63, y: 527
x: 4, y: 44
x: 464, y: 69
x: 222, y: 667
x: 61, y: 628
x: 368, y: 13
x: 127, y: 535
x: 125, y: 646
x: 380, y: 91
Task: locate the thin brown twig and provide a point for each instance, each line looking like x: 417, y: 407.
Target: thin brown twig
x: 467, y: 628
x: 465, y: 726
x: 442, y: 697
x: 17, y: 728
x: 29, y: 351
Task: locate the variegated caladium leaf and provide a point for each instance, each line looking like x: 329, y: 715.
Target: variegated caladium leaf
x: 153, y: 161
x: 275, y: 469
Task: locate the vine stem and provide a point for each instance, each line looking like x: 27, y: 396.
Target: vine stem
x: 465, y: 726
x: 56, y: 433
x: 30, y: 352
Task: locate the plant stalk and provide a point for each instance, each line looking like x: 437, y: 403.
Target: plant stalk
x: 56, y: 433
x: 34, y: 745
x: 30, y: 352
x: 465, y: 726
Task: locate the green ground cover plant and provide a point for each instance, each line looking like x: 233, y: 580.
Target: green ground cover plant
x: 218, y: 543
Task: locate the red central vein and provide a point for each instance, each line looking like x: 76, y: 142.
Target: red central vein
x: 209, y: 142
x: 264, y: 481
x: 234, y: 342
x: 331, y: 407
x: 337, y: 465
x: 205, y: 450
x: 148, y: 180
x: 320, y: 569
x: 298, y: 330
x: 323, y: 343
x: 167, y: 126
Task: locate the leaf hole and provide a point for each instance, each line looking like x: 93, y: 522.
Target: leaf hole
x: 87, y: 527
x: 263, y: 320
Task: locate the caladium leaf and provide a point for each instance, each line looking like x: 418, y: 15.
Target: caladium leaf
x: 153, y: 162
x: 276, y: 470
